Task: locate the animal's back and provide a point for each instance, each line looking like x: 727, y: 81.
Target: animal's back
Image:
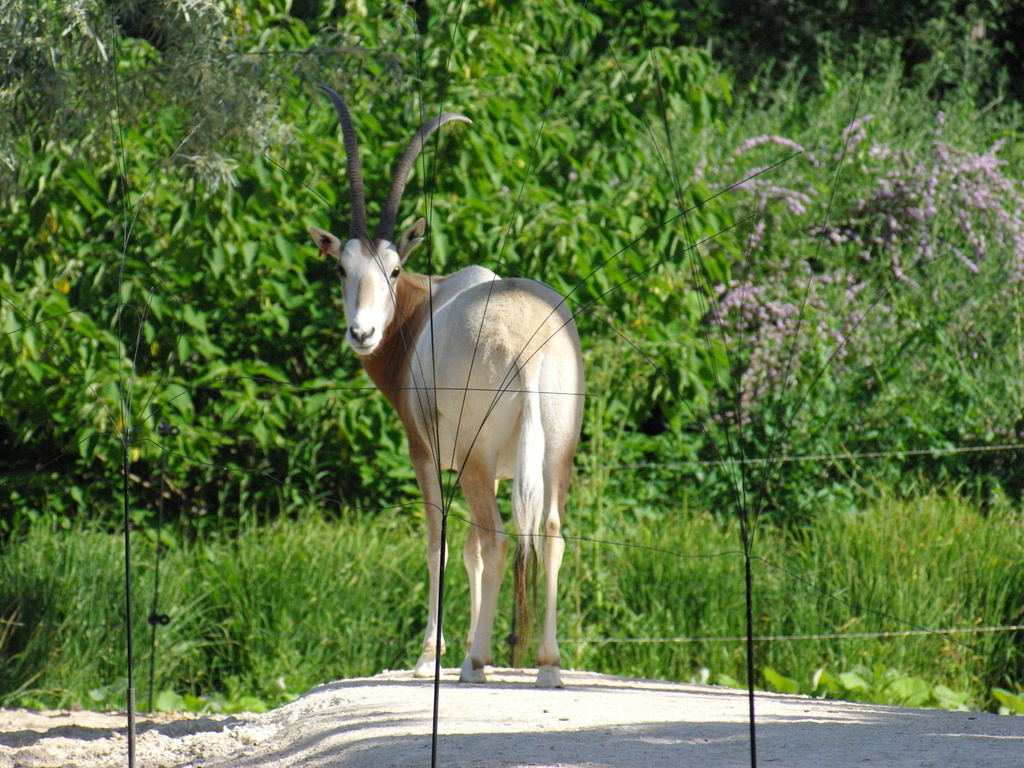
x: 490, y: 341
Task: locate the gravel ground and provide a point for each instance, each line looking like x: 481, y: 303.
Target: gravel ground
x: 596, y: 720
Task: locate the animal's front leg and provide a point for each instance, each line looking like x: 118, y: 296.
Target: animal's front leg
x: 426, y: 475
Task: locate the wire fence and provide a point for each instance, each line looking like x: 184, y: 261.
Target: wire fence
x: 787, y: 638
x: 826, y: 458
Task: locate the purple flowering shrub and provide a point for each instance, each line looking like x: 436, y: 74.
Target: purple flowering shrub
x: 877, y: 310
x: 947, y: 203
x: 768, y: 330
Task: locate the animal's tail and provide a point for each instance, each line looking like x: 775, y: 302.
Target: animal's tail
x: 527, y: 512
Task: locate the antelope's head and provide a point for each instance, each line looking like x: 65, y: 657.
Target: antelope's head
x: 370, y: 268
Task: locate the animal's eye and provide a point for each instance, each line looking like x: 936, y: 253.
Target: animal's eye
x: 341, y: 272
x: 394, y: 272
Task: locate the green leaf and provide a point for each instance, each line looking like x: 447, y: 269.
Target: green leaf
x: 261, y: 433
x: 246, y: 704
x: 947, y: 698
x: 98, y: 695
x: 823, y: 683
x: 196, y: 704
x: 87, y: 439
x: 724, y: 679
x: 851, y: 681
x: 169, y: 701
x: 911, y: 691
x: 193, y: 318
x: 779, y: 683
x: 1011, y: 702
x: 286, y: 247
x: 34, y: 369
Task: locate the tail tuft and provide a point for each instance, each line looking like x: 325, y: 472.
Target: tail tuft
x: 525, y: 575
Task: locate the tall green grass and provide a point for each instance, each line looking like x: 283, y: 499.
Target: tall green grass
x: 897, y: 567
x: 269, y: 613
x: 284, y: 607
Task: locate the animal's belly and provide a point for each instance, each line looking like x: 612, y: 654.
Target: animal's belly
x: 476, y: 425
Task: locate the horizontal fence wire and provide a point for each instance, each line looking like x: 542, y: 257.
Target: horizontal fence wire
x: 823, y: 636
x: 819, y: 457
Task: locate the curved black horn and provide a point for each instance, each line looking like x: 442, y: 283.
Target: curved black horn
x: 386, y: 228
x: 355, y: 168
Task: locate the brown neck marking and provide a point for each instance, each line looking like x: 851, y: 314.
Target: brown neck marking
x: 388, y: 365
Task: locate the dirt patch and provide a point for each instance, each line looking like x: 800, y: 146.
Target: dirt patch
x: 596, y: 720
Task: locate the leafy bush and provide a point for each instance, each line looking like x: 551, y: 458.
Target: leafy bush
x: 877, y: 317
x: 68, y: 68
x: 889, y: 686
x: 145, y: 292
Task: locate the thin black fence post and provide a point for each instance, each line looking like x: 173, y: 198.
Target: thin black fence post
x: 156, y: 618
x: 128, y: 605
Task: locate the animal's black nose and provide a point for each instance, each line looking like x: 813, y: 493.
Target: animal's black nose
x: 362, y: 336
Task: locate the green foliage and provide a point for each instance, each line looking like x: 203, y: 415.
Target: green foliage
x: 755, y: 36
x: 138, y: 291
x: 264, y: 617
x: 886, y: 686
x: 1008, y: 702
x: 875, y: 311
x: 76, y: 73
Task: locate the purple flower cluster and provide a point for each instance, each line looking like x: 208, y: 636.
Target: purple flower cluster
x: 772, y: 334
x: 783, y: 319
x: 768, y: 195
x: 920, y: 207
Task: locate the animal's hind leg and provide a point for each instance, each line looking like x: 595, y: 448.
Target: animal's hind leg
x: 473, y: 558
x: 557, y: 472
x: 485, y: 561
x: 549, y: 659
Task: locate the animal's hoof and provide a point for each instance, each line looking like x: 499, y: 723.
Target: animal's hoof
x: 425, y: 667
x: 549, y: 677
x: 471, y: 673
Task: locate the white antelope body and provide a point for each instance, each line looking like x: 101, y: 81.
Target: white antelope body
x: 487, y: 378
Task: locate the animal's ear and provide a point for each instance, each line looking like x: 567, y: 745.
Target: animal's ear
x: 409, y: 239
x: 325, y: 242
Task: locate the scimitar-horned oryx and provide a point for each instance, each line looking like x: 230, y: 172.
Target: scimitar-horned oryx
x: 487, y: 378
